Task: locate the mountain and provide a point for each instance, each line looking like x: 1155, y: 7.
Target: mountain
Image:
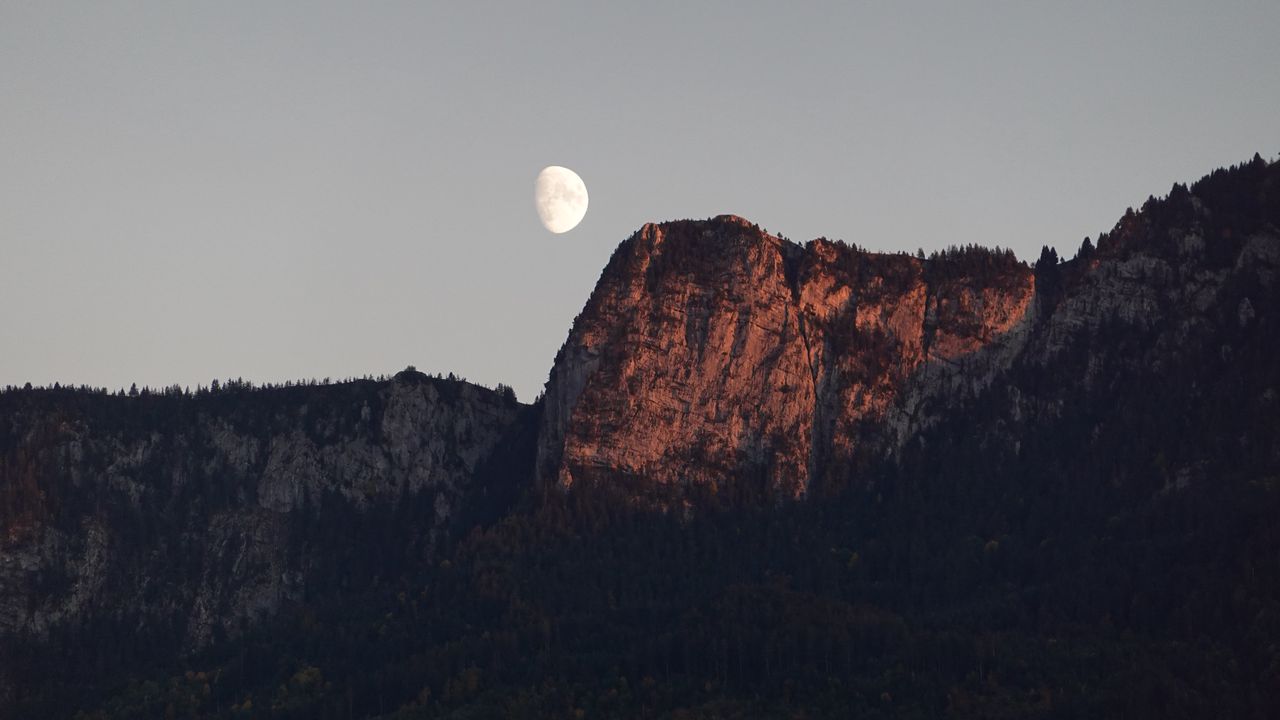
x: 766, y: 479
x: 714, y: 354
x: 181, y: 519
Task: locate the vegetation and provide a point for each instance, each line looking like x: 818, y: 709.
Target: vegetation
x: 989, y: 595
x: 1109, y: 550
x: 1071, y: 575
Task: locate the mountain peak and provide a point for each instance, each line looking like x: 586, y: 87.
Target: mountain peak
x: 998, y: 427
x: 726, y: 225
x: 734, y: 220
x: 715, y: 356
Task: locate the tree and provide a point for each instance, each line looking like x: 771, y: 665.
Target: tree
x: 1048, y: 259
x: 506, y: 392
x: 1086, y: 250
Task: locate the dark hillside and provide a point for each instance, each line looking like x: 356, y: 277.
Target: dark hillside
x: 776, y: 481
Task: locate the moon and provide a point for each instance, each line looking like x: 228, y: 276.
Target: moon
x: 561, y: 198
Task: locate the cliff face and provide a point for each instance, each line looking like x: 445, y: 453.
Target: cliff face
x: 713, y: 354
x: 1045, y: 410
x: 185, y: 517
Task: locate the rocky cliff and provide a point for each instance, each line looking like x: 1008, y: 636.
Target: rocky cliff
x: 187, y: 517
x: 1074, y: 442
x: 713, y: 354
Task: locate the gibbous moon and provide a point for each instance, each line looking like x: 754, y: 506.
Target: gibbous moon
x: 561, y: 198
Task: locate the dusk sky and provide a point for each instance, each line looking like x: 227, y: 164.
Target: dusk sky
x: 278, y: 191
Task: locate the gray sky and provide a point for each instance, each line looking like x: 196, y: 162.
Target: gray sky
x: 291, y: 190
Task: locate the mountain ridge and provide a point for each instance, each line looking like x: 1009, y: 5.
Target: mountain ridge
x: 984, y: 420
x: 722, y: 295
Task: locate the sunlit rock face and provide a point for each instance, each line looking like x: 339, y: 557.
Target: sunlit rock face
x: 689, y: 364
x: 712, y: 360
x: 715, y: 355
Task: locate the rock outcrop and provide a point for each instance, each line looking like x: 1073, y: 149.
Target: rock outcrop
x: 715, y: 355
x: 189, y: 516
x: 713, y: 361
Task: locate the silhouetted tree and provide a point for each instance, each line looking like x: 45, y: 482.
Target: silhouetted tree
x: 1086, y: 250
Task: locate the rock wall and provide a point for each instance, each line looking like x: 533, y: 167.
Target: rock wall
x: 189, y: 516
x: 713, y: 354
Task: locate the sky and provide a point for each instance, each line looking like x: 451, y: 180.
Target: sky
x: 280, y: 190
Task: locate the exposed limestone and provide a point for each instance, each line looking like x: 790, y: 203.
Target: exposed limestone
x: 712, y: 358
x: 712, y: 353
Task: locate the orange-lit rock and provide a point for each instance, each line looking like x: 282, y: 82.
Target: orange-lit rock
x: 714, y: 354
